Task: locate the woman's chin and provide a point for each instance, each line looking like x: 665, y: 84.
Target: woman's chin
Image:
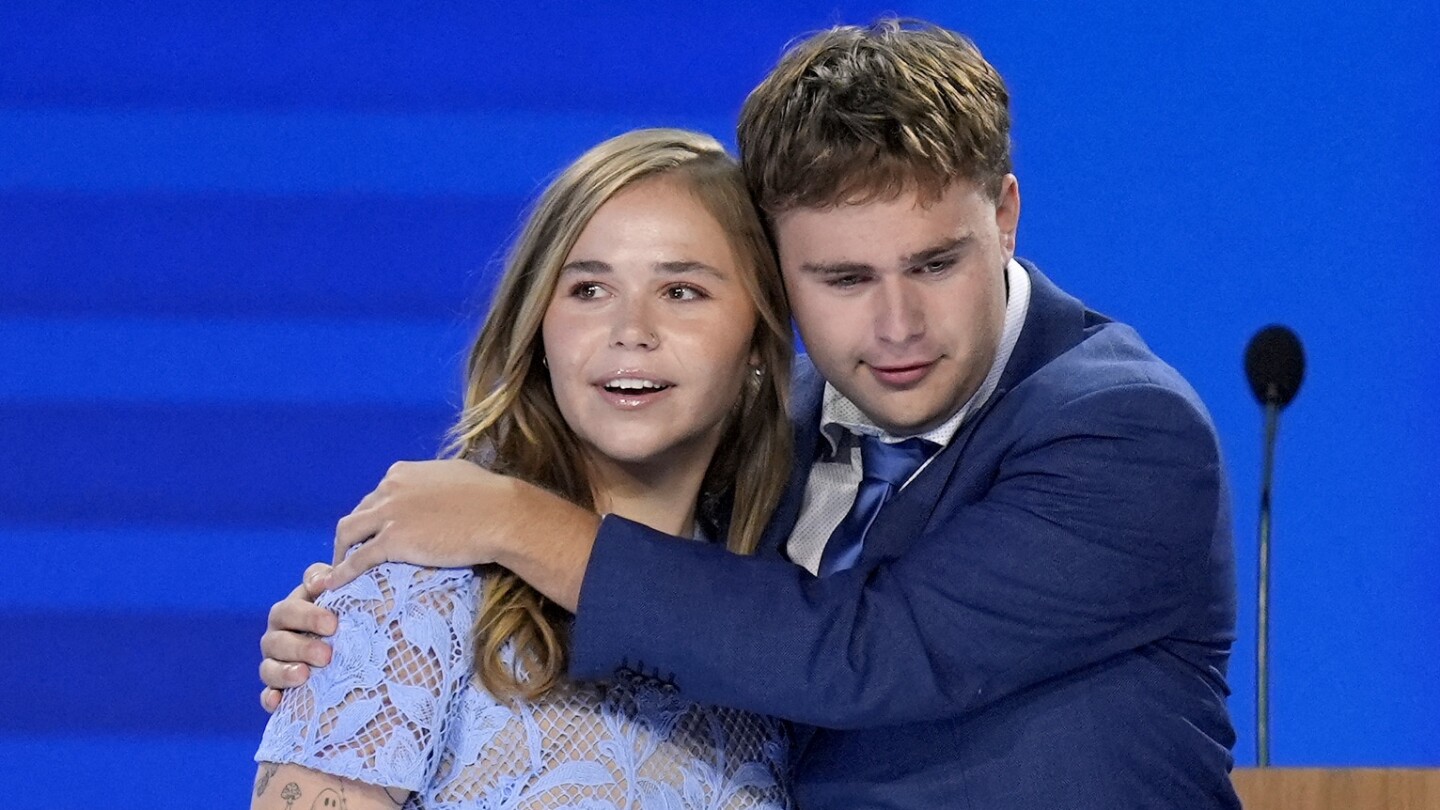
x: 642, y: 455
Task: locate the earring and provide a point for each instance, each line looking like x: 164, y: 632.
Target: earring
x: 757, y: 378
x: 545, y: 361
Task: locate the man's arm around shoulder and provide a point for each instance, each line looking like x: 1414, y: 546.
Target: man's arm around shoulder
x: 1092, y: 541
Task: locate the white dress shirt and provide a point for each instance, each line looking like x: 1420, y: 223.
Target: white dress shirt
x: 835, y: 475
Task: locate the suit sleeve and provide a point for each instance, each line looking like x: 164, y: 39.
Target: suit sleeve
x: 1091, y: 541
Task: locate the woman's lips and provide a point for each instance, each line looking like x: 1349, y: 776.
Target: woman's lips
x: 632, y: 391
x: 632, y: 400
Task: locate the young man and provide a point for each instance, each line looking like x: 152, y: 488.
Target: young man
x: 1009, y: 580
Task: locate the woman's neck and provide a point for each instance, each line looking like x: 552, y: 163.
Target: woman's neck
x: 661, y: 496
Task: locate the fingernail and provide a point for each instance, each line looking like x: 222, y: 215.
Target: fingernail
x: 292, y: 669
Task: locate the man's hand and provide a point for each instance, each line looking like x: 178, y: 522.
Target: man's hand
x: 290, y: 645
x: 430, y: 513
x: 452, y: 513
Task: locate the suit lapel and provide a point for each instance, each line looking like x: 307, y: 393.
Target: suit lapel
x: 1054, y: 324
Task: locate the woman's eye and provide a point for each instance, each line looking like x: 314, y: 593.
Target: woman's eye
x: 683, y: 292
x: 585, y: 291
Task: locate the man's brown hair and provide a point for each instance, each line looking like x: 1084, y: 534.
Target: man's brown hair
x: 859, y: 113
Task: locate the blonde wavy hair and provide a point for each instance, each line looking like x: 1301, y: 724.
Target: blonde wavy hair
x: 510, y: 422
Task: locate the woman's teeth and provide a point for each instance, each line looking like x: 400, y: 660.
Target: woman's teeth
x: 633, y: 386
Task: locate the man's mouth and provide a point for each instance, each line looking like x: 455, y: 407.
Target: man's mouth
x: 901, y: 375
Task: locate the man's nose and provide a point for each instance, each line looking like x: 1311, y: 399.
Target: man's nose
x: 899, y: 312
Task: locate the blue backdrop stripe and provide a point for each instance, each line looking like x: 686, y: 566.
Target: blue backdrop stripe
x: 198, y: 769
x: 370, y: 55
x: 495, y: 153
x: 215, y: 466
x: 251, y: 256
x: 188, y: 570
x: 135, y: 662
x: 263, y: 362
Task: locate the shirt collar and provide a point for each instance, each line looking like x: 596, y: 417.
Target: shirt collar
x: 839, y: 417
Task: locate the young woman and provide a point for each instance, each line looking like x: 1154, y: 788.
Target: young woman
x: 635, y: 360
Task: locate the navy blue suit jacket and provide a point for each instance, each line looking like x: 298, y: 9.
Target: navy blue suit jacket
x: 1042, y: 618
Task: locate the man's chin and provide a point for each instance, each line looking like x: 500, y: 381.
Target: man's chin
x: 911, y: 420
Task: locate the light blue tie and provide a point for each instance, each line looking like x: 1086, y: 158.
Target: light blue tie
x: 884, y: 469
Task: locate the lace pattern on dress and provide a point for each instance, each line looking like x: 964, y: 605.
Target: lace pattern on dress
x: 399, y: 706
x: 380, y: 708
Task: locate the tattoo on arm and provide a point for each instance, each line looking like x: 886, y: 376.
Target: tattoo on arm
x: 308, y: 789
x: 262, y: 779
x: 328, y: 799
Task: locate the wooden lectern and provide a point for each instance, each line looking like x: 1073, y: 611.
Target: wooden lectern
x: 1338, y: 788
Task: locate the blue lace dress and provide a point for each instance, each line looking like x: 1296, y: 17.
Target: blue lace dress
x: 399, y: 706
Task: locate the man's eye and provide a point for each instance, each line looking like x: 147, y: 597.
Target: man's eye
x: 846, y: 282
x: 937, y: 265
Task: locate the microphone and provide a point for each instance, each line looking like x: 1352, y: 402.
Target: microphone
x: 1275, y: 365
x: 1275, y: 368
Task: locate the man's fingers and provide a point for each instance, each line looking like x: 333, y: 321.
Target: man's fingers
x: 356, y: 527
x: 296, y: 614
x: 277, y: 675
x: 358, y: 562
x: 312, y: 584
x: 269, y: 699
x: 291, y: 648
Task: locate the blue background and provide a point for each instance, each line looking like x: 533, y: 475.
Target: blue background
x: 242, y: 247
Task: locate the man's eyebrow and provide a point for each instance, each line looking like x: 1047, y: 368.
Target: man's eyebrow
x: 586, y: 266
x: 930, y: 253
x: 844, y: 268
x: 836, y: 268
